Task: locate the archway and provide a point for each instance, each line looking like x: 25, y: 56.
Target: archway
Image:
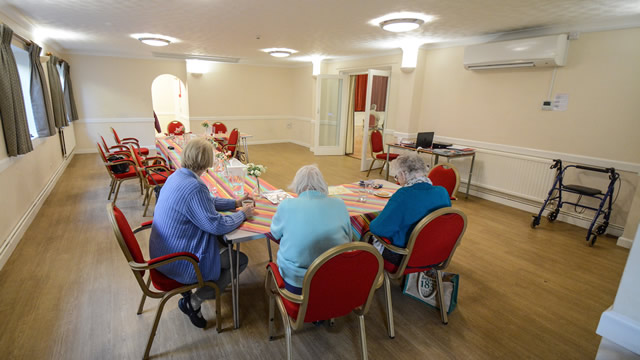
x: 170, y: 101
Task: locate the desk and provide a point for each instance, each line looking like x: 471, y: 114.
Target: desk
x: 437, y: 153
x: 243, y: 142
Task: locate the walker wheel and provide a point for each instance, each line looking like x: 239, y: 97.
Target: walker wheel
x: 535, y: 222
x: 601, y: 229
x: 592, y: 239
x: 553, y: 215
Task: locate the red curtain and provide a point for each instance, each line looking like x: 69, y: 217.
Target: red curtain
x: 361, y: 92
x: 378, y: 92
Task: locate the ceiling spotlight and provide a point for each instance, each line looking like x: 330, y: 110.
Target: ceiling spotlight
x: 401, y: 25
x: 154, y: 41
x: 280, y: 53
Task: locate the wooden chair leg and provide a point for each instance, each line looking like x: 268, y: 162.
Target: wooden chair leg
x: 363, y: 337
x: 287, y: 335
x: 155, y: 326
x: 387, y: 297
x: 144, y: 297
x: 218, y: 310
x: 443, y: 311
x: 382, y: 168
x: 115, y: 196
x: 113, y: 186
x: 148, y: 196
x: 371, y: 166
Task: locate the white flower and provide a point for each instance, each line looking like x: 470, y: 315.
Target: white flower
x: 257, y: 173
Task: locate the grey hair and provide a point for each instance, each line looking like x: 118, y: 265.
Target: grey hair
x: 309, y: 177
x: 198, y: 155
x: 411, y: 165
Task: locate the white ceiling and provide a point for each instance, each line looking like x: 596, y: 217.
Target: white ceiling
x: 332, y: 28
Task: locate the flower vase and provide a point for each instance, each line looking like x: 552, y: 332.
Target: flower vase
x: 257, y: 192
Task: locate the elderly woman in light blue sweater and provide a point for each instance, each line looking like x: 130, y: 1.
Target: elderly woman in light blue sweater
x: 307, y: 226
x: 186, y: 218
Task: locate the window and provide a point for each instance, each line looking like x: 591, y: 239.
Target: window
x: 24, y: 71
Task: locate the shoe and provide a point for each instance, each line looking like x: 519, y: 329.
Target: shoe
x: 194, y: 315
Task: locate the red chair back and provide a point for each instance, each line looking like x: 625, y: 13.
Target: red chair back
x: 175, y: 127
x: 376, y: 142
x: 233, y: 140
x: 126, y: 238
x: 446, y: 176
x: 115, y: 136
x: 101, y: 152
x: 104, y: 144
x: 341, y: 284
x: 219, y: 128
x: 434, y: 240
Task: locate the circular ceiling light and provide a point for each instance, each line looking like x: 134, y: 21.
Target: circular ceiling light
x: 401, y: 25
x: 152, y: 41
x: 280, y: 53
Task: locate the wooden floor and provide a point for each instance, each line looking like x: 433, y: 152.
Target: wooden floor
x: 67, y: 292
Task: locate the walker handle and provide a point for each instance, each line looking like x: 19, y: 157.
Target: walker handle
x: 594, y: 169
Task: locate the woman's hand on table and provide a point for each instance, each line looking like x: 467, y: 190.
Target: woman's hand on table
x: 239, y: 201
x: 248, y: 210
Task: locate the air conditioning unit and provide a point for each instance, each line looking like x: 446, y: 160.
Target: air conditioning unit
x: 534, y: 52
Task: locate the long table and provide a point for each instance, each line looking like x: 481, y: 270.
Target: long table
x: 258, y: 226
x: 449, y: 154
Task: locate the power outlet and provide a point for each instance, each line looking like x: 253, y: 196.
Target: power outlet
x: 546, y: 105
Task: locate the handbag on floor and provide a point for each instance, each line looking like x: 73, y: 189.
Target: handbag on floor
x: 422, y: 286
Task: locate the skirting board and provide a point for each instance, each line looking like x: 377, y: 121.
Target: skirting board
x: 21, y: 227
x: 620, y: 329
x: 534, y: 208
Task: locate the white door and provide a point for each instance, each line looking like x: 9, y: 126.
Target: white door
x: 330, y: 119
x: 375, y: 120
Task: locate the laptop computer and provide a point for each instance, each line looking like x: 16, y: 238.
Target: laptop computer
x: 424, y: 140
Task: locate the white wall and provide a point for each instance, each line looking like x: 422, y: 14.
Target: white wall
x: 116, y: 92
x: 170, y: 101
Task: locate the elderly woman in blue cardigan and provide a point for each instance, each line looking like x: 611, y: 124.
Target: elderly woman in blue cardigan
x: 186, y: 218
x: 414, y: 200
x: 307, y: 226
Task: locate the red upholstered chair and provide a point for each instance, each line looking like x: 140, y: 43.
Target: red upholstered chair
x: 431, y: 246
x: 218, y: 128
x: 176, y: 128
x: 120, y: 149
x: 447, y: 176
x: 152, y: 171
x: 128, y: 141
x: 341, y: 280
x: 117, y: 179
x: 232, y: 145
x: 377, y: 151
x: 165, y: 287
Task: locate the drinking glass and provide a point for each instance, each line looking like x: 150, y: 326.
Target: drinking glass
x: 362, y: 192
x: 237, y: 184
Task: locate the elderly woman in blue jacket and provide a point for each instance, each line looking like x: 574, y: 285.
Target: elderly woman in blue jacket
x: 413, y: 201
x: 186, y: 218
x: 307, y: 226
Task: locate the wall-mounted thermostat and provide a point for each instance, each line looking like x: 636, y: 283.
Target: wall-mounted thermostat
x: 546, y: 105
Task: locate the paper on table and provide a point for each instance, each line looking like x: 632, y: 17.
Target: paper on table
x: 276, y: 196
x: 339, y: 190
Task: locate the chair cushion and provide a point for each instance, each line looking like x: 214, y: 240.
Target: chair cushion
x: 389, y: 267
x: 142, y: 151
x: 158, y: 178
x: 129, y: 174
x: 383, y: 156
x: 163, y: 283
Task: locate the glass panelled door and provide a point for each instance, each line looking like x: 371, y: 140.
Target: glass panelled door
x: 375, y: 113
x: 330, y: 124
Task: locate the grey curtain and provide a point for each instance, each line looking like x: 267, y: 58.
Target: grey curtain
x: 69, y: 100
x: 12, y: 110
x: 40, y: 100
x: 57, y: 97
